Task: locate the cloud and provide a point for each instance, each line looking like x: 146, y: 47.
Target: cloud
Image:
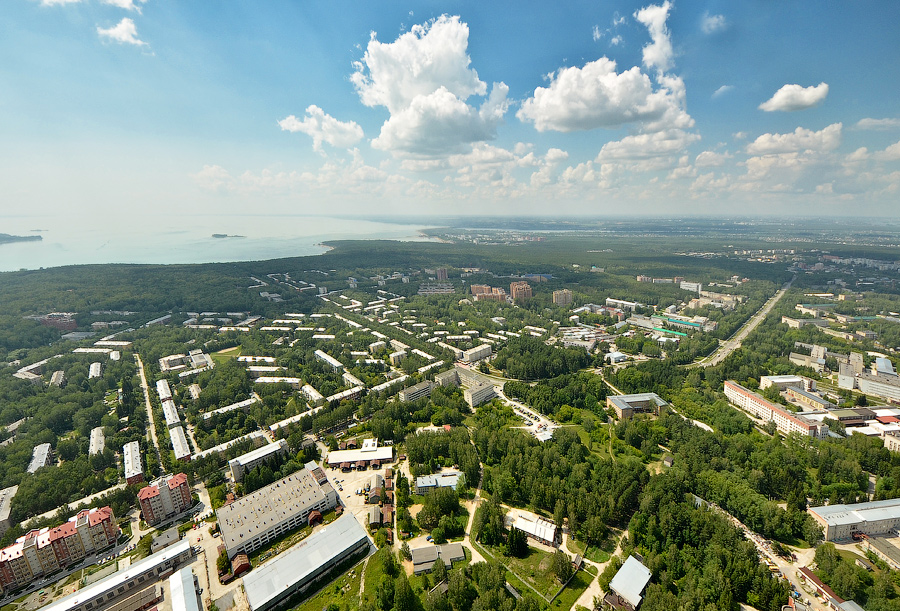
x: 722, y: 91
x: 711, y: 159
x: 646, y: 146
x: 878, y: 124
x: 424, y: 78
x: 710, y: 24
x: 419, y: 62
x: 658, y: 53
x: 795, y: 97
x: 124, y: 33
x: 828, y: 139
x: 322, y: 127
x: 596, y: 34
x: 441, y: 123
x: 128, y: 5
x: 891, y: 153
x: 615, y: 41
x: 597, y: 96
x: 58, y: 2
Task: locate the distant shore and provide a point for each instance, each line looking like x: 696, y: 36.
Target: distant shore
x: 6, y: 238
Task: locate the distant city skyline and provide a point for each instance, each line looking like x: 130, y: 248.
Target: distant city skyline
x: 135, y: 110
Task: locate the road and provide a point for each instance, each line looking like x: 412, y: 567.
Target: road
x: 148, y: 405
x: 734, y: 342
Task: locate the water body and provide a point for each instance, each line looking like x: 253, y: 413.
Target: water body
x: 182, y: 239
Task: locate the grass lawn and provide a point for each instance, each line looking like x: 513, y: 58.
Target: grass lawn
x: 535, y: 569
x: 579, y: 584
x: 224, y: 355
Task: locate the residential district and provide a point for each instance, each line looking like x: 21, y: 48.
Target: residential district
x: 355, y: 453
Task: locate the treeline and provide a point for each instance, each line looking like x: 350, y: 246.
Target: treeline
x: 529, y: 358
x: 699, y: 560
x: 579, y: 391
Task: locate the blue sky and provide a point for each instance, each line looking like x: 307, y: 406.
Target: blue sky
x: 597, y: 108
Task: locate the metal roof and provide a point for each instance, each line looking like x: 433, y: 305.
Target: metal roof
x: 269, y: 582
x: 184, y: 592
x: 630, y: 581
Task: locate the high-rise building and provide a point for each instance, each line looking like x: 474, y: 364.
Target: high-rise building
x: 562, y: 297
x: 164, y: 498
x: 520, y: 291
x: 441, y: 273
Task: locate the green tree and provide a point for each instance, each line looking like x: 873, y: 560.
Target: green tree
x: 562, y: 566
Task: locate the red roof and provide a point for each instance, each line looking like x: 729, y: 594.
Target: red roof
x: 819, y: 586
x: 887, y: 419
x: 177, y: 480
x: 148, y: 492
x: 97, y: 517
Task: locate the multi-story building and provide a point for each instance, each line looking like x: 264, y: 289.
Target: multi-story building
x: 134, y: 471
x: 98, y: 441
x: 273, y: 510
x: 6, y: 497
x: 165, y: 497
x: 478, y: 393
x: 422, y: 389
x: 180, y: 444
x: 785, y: 421
x: 520, y: 291
x: 441, y: 274
x: 47, y: 550
x: 477, y: 353
x: 562, y: 297
x: 252, y: 459
x: 40, y: 457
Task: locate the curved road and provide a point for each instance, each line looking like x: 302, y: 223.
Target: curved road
x: 734, y: 342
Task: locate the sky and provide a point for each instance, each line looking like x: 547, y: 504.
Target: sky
x: 141, y: 109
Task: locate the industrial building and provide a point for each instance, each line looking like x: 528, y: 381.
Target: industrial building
x: 273, y: 510
x: 478, y: 393
x: 185, y: 591
x: 306, y: 564
x: 252, y: 459
x: 164, y: 497
x: 626, y: 406
x: 120, y: 586
x: 840, y: 521
x: 541, y: 530
x: 785, y: 421
x: 134, y: 471
x: 422, y: 389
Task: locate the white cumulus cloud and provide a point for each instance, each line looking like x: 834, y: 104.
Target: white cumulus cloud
x: 646, y: 146
x: 658, y: 53
x: 891, y: 153
x: 123, y: 32
x: 710, y: 24
x: 322, y: 127
x: 868, y: 123
x: 424, y: 79
x: 128, y: 5
x: 801, y: 139
x: 597, y: 96
x: 795, y: 97
x: 718, y: 93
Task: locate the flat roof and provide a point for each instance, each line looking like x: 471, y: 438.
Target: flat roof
x: 261, y: 452
x: 262, y: 509
x: 39, y: 457
x: 840, y: 513
x: 120, y: 577
x: 267, y: 583
x: 6, y: 497
x: 228, y: 408
x: 382, y: 453
x: 132, y: 459
x: 630, y: 581
x: 184, y: 592
x: 98, y: 441
x: 179, y: 443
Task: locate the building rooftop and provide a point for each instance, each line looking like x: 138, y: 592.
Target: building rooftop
x: 839, y: 514
x: 268, y: 582
x: 630, y: 581
x: 261, y: 452
x: 132, y: 459
x: 260, y: 510
x: 184, y: 592
x: 6, y: 497
x: 180, y: 443
x: 39, y: 457
x: 98, y: 441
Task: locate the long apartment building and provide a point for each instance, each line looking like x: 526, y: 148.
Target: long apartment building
x: 134, y: 471
x: 270, y: 512
x: 47, y: 550
x: 164, y: 498
x: 252, y: 459
x: 785, y: 421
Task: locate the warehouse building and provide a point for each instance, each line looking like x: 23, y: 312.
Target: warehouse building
x: 268, y: 513
x: 369, y: 452
x: 185, y: 591
x: 306, y: 564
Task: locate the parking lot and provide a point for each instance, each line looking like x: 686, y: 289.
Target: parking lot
x: 347, y: 485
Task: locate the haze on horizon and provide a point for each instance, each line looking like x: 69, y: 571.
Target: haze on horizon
x: 141, y: 109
